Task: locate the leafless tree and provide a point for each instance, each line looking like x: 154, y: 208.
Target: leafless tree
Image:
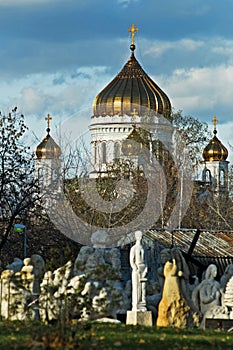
x: 18, y: 187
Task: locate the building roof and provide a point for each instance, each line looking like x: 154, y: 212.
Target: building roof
x: 48, y: 148
x: 209, y: 244
x: 132, y: 92
x: 215, y: 150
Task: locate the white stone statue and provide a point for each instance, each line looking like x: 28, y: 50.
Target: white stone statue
x: 38, y: 264
x: 228, y: 296
x: 139, y: 272
x: 207, y: 294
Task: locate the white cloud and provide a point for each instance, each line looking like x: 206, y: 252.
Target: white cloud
x: 203, y: 50
x: 202, y: 88
x: 225, y: 136
x: 158, y: 48
x: 64, y: 91
x: 203, y: 93
x: 126, y: 3
x: 223, y: 47
x: 32, y: 99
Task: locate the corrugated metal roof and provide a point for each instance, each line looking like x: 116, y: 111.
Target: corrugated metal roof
x: 209, y: 243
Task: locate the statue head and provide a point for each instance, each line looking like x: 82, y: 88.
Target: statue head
x: 211, y: 271
x: 100, y: 239
x: 138, y: 235
x: 170, y: 268
x: 165, y: 255
x: 229, y: 270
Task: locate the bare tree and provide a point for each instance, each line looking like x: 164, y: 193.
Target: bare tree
x: 194, y: 133
x: 18, y: 188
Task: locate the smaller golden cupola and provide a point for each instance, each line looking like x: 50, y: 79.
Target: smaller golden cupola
x: 48, y: 148
x: 215, y: 150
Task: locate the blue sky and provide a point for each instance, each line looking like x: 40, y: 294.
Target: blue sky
x: 57, y: 55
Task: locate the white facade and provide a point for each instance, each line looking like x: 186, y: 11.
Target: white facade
x: 47, y: 171
x: 216, y: 173
x: 108, y: 133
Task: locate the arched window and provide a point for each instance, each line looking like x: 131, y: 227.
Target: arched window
x: 104, y: 152
x: 207, y: 176
x: 222, y: 177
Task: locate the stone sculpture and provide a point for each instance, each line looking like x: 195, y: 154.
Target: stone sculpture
x: 16, y: 265
x: 174, y: 309
x: 27, y: 276
x: 92, y: 285
x: 228, y: 296
x: 207, y: 297
x: 207, y: 294
x: 38, y: 264
x: 138, y: 263
x: 228, y: 273
x: 20, y: 287
x: 168, y: 254
x: 139, y: 271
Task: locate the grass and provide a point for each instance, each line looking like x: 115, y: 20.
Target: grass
x: 37, y: 336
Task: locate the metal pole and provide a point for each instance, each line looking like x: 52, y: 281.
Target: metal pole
x: 22, y: 229
x: 24, y: 242
x: 194, y: 242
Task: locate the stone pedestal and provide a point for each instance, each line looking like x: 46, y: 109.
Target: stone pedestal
x: 143, y: 318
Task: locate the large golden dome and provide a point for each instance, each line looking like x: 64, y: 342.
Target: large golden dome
x: 48, y: 149
x: 131, y: 91
x: 215, y: 150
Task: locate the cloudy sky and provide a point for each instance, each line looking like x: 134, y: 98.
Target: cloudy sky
x: 57, y: 55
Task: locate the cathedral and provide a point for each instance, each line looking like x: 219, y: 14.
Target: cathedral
x: 124, y: 106
x: 130, y: 104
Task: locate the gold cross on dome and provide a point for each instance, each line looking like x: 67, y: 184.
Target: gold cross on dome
x: 132, y: 30
x: 215, y: 120
x: 48, y: 119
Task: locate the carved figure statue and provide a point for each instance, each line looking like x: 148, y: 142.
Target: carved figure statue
x: 168, y: 254
x: 228, y: 295
x: 228, y: 273
x: 207, y: 294
x: 165, y: 255
x: 139, y: 272
x: 174, y: 309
